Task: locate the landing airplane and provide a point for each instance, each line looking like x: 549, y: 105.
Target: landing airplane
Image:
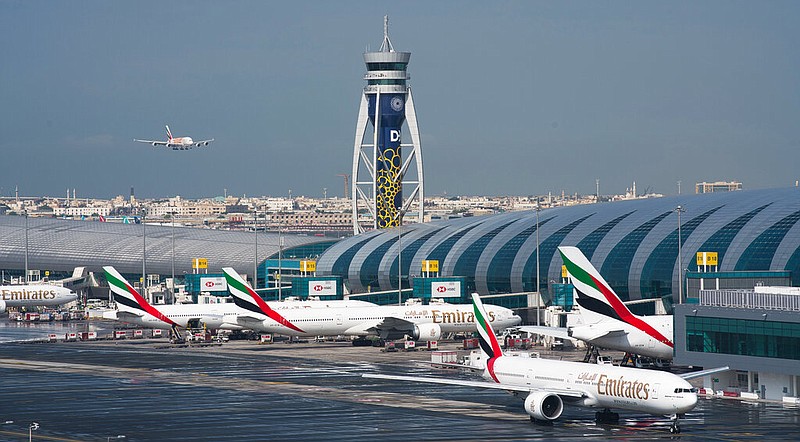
x: 426, y: 322
x: 34, y: 295
x: 608, y: 323
x: 177, y: 143
x: 134, y: 309
x: 546, y: 384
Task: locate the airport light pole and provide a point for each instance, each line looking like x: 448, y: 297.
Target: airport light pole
x: 280, y: 263
x: 25, y: 278
x: 255, y: 258
x: 144, y: 254
x: 680, y: 209
x: 538, y: 285
x: 172, y: 219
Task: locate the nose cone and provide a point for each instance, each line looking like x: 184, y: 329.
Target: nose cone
x: 515, y: 319
x: 687, y: 402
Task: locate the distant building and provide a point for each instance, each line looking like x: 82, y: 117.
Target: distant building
x: 717, y: 186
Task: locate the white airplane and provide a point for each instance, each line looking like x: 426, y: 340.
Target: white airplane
x: 425, y: 322
x: 34, y: 295
x: 177, y: 143
x: 608, y: 323
x: 546, y: 384
x: 134, y: 309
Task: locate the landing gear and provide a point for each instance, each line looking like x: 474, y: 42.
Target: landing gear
x: 675, y: 428
x: 606, y: 417
x: 591, y: 354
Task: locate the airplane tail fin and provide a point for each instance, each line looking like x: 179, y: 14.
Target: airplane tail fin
x: 128, y: 299
x: 246, y: 298
x: 169, y: 133
x: 490, y: 346
x: 597, y: 299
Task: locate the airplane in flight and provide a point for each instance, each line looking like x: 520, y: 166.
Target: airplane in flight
x: 547, y: 385
x: 421, y: 322
x: 134, y: 309
x: 608, y: 323
x: 34, y: 295
x: 177, y: 143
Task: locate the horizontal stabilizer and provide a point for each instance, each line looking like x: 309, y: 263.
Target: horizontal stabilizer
x: 556, y: 332
x: 701, y: 373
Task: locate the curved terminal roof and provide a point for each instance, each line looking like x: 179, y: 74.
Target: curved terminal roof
x: 61, y: 245
x: 633, y: 243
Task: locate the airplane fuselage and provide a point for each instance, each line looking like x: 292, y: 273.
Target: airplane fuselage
x: 599, y: 385
x: 34, y: 295
x: 218, y: 316
x: 629, y: 338
x: 181, y: 141
x: 431, y: 320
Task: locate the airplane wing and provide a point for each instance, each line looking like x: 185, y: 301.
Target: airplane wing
x: 607, y: 333
x: 476, y: 384
x: 392, y: 328
x: 249, y: 321
x: 153, y: 142
x: 556, y: 332
x: 701, y: 373
x: 203, y: 143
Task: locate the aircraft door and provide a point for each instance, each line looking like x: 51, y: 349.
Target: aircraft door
x: 654, y: 391
x: 339, y: 319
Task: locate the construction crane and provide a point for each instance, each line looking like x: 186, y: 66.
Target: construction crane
x: 346, y: 184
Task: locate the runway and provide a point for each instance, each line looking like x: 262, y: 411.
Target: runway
x: 145, y: 390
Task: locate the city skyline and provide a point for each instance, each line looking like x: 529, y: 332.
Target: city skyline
x: 514, y: 98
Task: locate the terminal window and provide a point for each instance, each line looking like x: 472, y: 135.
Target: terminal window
x: 770, y: 339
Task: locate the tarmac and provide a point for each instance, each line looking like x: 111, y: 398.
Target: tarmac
x: 149, y: 390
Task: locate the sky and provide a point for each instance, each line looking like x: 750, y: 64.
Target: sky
x: 512, y: 97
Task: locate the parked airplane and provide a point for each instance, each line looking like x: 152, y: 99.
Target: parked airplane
x: 134, y: 309
x: 607, y: 321
x: 32, y: 295
x: 426, y: 322
x: 177, y: 143
x: 547, y: 384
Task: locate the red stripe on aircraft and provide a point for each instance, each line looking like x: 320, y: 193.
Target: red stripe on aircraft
x: 626, y: 314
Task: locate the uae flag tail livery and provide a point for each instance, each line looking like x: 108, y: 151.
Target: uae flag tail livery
x: 490, y: 347
x: 246, y: 298
x: 129, y: 300
x: 598, y: 301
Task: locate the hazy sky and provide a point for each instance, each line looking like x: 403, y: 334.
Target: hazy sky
x: 513, y: 98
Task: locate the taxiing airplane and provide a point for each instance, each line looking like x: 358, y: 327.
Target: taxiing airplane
x: 177, y: 143
x: 607, y: 321
x: 420, y: 322
x: 34, y: 295
x: 134, y: 309
x: 546, y: 385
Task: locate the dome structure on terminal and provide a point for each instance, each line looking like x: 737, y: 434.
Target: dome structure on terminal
x: 59, y: 245
x: 633, y: 243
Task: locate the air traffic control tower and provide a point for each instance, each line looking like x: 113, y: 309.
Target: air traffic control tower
x: 381, y: 175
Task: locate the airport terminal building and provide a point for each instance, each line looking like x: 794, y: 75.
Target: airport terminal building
x: 634, y: 244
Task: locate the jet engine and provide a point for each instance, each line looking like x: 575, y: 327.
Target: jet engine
x: 427, y: 332
x: 2, y: 306
x: 544, y: 406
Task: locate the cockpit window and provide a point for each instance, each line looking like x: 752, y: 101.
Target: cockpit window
x: 686, y: 390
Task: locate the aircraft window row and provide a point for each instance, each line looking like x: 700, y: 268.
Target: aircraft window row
x: 519, y: 375
x: 547, y: 378
x: 686, y: 390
